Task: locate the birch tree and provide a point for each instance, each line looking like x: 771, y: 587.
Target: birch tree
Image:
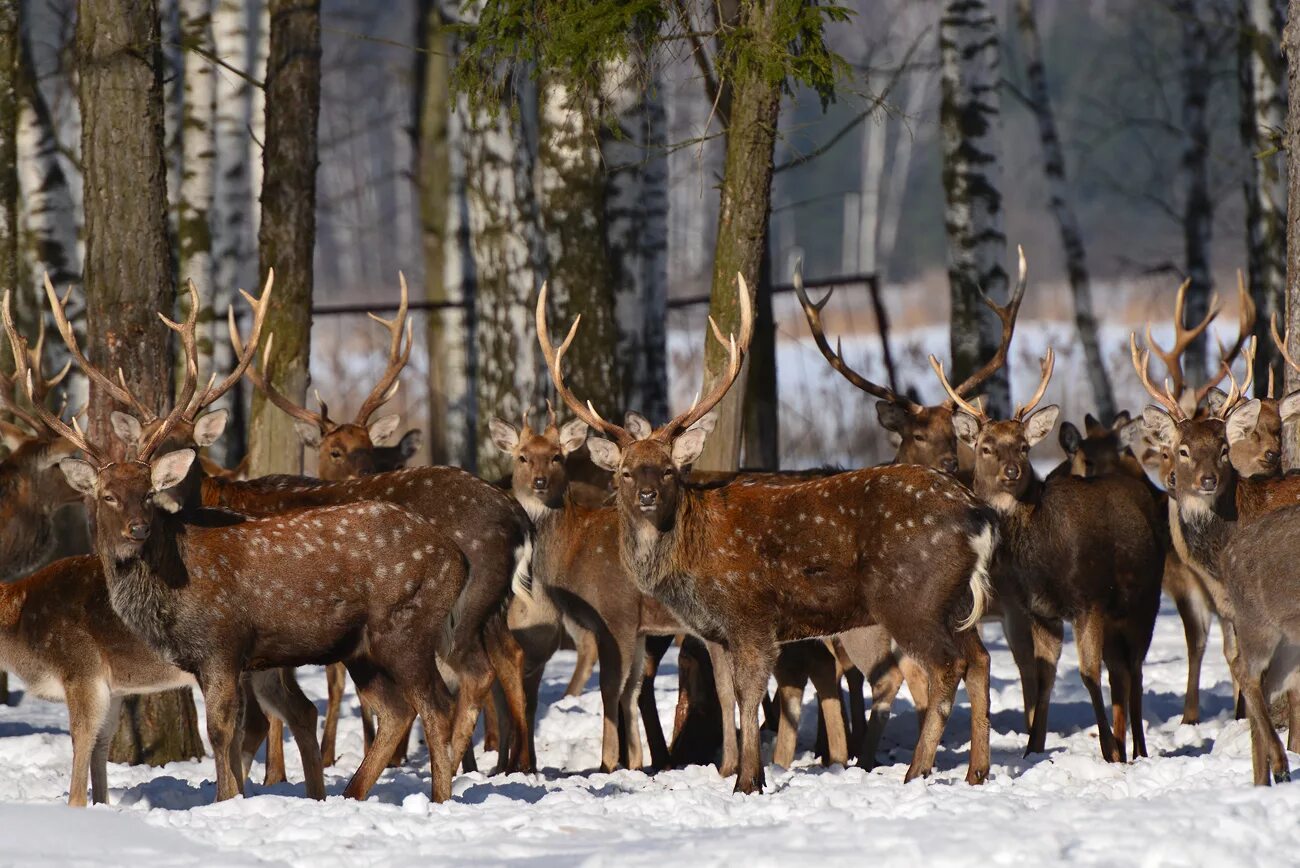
x: 1291, y: 52
x: 1263, y: 122
x: 129, y: 276
x: 1059, y: 200
x: 971, y: 131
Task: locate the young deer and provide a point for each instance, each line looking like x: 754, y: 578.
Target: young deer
x: 1085, y: 550
x: 218, y: 594
x: 751, y: 566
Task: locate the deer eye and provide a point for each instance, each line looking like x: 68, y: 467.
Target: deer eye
x: 557, y: 459
x: 521, y: 459
x: 110, y: 499
x: 1184, y: 452
x: 919, y: 438
x: 336, y: 454
x: 627, y: 475
x: 984, y: 450
x: 1024, y: 448
x: 668, y: 474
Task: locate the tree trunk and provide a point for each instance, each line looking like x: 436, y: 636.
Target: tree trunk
x: 762, y: 433
x: 1198, y: 208
x: 261, y: 43
x: 233, y: 243
x: 173, y: 76
x: 510, y: 375
x: 287, y: 234
x: 9, y: 72
x: 971, y: 130
x: 128, y: 274
x: 1291, y: 51
x: 198, y: 144
x: 571, y: 202
x: 1263, y: 117
x: 447, y: 273
x: 1067, y: 222
x: 752, y: 108
x: 636, y: 226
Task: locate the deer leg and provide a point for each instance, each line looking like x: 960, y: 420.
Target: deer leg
x: 99, y: 756
x: 274, y: 753
x: 791, y: 676
x: 856, y: 683
x: 977, y: 691
x: 1135, y: 707
x: 628, y: 705
x: 1121, y: 684
x: 492, y: 723
x: 254, y: 724
x: 588, y: 654
x: 724, y: 684
x: 1266, y: 750
x: 221, y: 696
x: 1047, y: 637
x: 1194, y: 611
x: 1088, y: 636
x: 392, y: 715
x: 1293, y: 716
x: 942, y: 678
x: 750, y: 668
x: 433, y: 704
x: 277, y: 691
x: 614, y: 667
x: 507, y: 661
x: 1230, y: 652
x: 871, y: 651
x: 654, y: 729
x: 335, y: 681
x: 826, y: 681
x: 88, y: 705
x: 1018, y: 629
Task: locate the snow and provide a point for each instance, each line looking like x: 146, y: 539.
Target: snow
x: 1190, y: 803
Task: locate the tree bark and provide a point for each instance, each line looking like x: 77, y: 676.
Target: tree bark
x: 287, y: 234
x: 752, y: 107
x: 1067, y: 222
x: 1198, y: 207
x: 1291, y: 51
x: 128, y: 274
x: 971, y: 131
x: 1263, y: 119
x: 9, y: 72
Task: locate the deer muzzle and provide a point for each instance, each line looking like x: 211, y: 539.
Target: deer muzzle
x: 137, y: 531
x: 539, y: 484
x: 647, y: 498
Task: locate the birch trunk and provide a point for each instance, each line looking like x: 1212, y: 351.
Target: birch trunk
x: 900, y: 165
x: 971, y: 131
x: 173, y: 77
x: 198, y: 144
x: 1198, y: 208
x: 9, y: 71
x: 1291, y: 51
x: 257, y: 111
x: 571, y: 202
x: 1067, y: 222
x: 1263, y: 119
x: 287, y: 234
x: 128, y: 275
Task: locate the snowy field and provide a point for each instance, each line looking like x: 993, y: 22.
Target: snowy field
x: 1191, y: 803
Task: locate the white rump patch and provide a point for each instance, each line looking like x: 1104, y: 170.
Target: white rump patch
x: 981, y: 591
x: 522, y: 582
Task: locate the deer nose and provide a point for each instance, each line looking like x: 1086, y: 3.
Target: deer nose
x: 948, y: 464
x: 539, y: 483
x: 647, y: 497
x: 1011, y: 472
x: 138, y: 531
x: 1209, y: 482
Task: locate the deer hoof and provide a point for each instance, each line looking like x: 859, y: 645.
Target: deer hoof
x: 975, y: 777
x: 1282, y: 777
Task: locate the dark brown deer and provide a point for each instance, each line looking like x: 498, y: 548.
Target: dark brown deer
x: 1085, y: 550
x: 751, y: 566
x: 219, y: 594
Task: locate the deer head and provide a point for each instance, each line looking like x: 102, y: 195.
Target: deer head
x: 926, y: 435
x: 1098, y: 451
x: 540, y: 477
x: 366, y: 445
x: 648, y: 465
x: 1003, y: 474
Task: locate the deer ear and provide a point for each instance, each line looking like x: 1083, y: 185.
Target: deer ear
x: 605, y: 454
x: 893, y: 417
x: 966, y: 426
x: 504, y: 435
x: 1041, y: 423
x: 81, y: 475
x: 1070, y: 438
x: 1128, y: 433
x: 1121, y: 421
x: 707, y: 422
x: 688, y: 446
x: 168, y: 471
x: 127, y: 428
x: 1289, y: 406
x: 637, y: 425
x: 1242, y: 420
x: 308, y: 433
x: 11, y: 436
x: 410, y: 443
x: 1160, y: 424
x: 383, y: 429
x: 572, y: 436
x: 1091, y: 425
x: 1213, y: 402
x: 210, y: 426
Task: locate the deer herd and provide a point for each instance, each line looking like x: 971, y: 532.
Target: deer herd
x: 443, y: 595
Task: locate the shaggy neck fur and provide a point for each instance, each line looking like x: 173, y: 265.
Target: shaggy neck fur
x: 1204, y: 529
x: 144, y: 588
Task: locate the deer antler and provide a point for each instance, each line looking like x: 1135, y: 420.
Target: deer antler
x: 1245, y: 327
x: 41, y: 385
x: 554, y: 358
x: 735, y: 361
x: 213, y: 392
x: 189, y: 346
x: 813, y: 311
x: 1183, y: 338
x: 1281, y: 341
x: 23, y: 373
x: 1166, y: 399
x: 1007, y: 314
x: 388, y: 384
x: 975, y: 409
x: 1049, y: 362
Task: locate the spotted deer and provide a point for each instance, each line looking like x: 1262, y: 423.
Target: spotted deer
x: 218, y: 594
x: 751, y: 566
x: 1086, y: 550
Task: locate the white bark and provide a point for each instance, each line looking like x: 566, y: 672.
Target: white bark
x: 899, y: 166
x: 173, y: 74
x: 257, y: 111
x: 971, y: 129
x: 874, y: 131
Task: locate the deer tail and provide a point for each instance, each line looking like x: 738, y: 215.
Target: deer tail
x: 982, y: 543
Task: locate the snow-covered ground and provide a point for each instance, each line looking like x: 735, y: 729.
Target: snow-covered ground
x: 1191, y: 803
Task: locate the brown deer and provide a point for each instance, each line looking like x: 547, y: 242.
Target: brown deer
x: 751, y: 566
x: 1085, y: 550
x: 217, y: 593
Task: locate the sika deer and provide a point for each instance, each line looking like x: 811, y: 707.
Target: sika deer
x: 1087, y: 550
x: 219, y: 594
x: 751, y: 566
